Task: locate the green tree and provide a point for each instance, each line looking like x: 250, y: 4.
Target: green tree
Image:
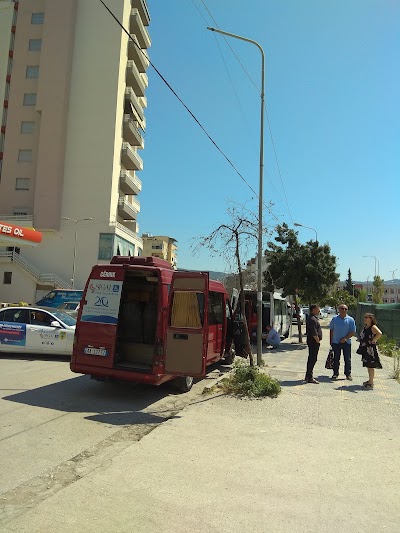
x: 308, y: 270
x: 341, y: 297
x: 349, y: 283
x: 362, y: 295
x: 377, y: 290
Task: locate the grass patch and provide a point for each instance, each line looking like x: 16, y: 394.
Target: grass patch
x: 246, y: 380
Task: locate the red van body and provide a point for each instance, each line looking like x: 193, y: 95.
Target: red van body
x: 142, y: 321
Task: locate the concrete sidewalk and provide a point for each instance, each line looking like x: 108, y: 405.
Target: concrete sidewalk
x: 319, y: 458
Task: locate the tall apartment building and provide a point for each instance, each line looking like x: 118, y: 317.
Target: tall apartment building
x: 72, y: 97
x: 160, y: 246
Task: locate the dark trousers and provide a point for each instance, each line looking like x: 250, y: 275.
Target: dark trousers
x: 346, y: 349
x: 313, y: 349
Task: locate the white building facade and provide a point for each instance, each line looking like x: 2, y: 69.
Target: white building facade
x: 73, y: 95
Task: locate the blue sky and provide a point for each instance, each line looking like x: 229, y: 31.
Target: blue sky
x: 332, y: 86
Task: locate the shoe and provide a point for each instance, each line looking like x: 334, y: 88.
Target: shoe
x: 312, y: 380
x: 335, y: 376
x: 368, y: 385
x: 349, y: 378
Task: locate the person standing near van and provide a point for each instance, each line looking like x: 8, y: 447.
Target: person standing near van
x: 342, y: 328
x: 314, y: 337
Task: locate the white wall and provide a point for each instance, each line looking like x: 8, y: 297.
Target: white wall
x: 22, y: 288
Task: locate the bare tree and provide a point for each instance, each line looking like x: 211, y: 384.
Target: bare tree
x: 232, y: 241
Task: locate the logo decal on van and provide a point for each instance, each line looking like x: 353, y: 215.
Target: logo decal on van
x: 106, y: 274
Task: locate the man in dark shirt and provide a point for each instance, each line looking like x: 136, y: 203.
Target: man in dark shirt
x: 314, y: 336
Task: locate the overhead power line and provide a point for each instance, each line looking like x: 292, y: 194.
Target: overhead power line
x: 265, y: 107
x: 185, y: 106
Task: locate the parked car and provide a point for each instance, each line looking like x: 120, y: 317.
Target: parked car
x: 57, y: 297
x: 328, y: 310
x: 36, y: 330
x: 306, y: 312
x: 71, y: 308
x: 301, y: 315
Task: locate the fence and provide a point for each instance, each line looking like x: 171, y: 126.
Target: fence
x: 387, y: 316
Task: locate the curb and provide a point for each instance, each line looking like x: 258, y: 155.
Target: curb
x: 214, y: 383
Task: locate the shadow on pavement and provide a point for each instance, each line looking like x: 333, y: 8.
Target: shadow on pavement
x: 292, y: 383
x: 114, y: 402
x: 351, y: 388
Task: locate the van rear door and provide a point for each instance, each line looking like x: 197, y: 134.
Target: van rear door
x: 187, y: 326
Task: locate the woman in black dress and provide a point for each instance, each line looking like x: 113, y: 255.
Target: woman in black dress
x: 368, y: 350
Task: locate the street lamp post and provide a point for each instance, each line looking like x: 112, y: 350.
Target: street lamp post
x: 260, y: 195
x: 75, y: 243
x: 376, y: 261
x: 302, y: 226
x: 353, y: 284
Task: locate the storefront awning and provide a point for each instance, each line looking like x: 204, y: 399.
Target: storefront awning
x: 11, y: 235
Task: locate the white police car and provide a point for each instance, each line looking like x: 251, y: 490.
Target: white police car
x: 36, y: 330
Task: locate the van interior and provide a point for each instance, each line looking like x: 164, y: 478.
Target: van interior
x: 137, y: 325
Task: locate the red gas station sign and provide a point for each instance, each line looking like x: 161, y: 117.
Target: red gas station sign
x: 18, y: 235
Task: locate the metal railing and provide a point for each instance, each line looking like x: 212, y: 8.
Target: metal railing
x: 16, y: 218
x: 43, y: 279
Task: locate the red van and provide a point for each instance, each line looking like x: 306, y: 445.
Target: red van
x: 142, y: 321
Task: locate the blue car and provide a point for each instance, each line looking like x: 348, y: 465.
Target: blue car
x: 57, y: 297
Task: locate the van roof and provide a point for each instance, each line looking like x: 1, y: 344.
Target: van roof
x: 141, y: 261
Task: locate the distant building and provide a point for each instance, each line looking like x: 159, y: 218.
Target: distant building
x: 72, y: 101
x: 391, y: 290
x: 160, y: 246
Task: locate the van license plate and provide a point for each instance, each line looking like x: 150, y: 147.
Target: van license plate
x: 95, y: 351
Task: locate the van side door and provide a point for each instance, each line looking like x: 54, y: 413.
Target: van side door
x: 187, y: 324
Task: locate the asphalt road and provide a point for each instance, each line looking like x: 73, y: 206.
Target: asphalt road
x: 51, y: 419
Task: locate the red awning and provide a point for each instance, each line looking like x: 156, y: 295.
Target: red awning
x: 18, y: 235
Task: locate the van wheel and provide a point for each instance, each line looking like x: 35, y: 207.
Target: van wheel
x: 184, y: 383
x: 229, y: 357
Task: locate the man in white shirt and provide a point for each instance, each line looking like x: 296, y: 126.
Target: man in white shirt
x: 273, y: 338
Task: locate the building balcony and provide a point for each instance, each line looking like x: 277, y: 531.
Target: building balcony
x: 131, y: 133
x: 138, y: 55
x: 128, y: 210
x: 141, y: 6
x: 129, y: 183
x: 134, y: 79
x: 137, y: 27
x: 137, y: 110
x: 129, y: 158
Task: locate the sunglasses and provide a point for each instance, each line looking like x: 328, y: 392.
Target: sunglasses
x: 342, y: 308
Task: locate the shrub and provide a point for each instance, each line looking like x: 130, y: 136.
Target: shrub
x: 250, y: 381
x: 390, y: 348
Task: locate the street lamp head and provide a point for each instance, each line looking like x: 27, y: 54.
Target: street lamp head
x: 297, y: 224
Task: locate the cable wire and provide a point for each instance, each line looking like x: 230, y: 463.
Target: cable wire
x: 266, y: 110
x: 186, y: 107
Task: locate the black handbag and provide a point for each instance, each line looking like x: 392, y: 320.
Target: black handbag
x: 329, y: 360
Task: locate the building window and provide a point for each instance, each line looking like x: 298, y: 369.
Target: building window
x: 7, y: 278
x: 32, y: 71
x: 24, y: 156
x: 157, y: 247
x: 37, y: 18
x: 106, y: 246
x: 30, y: 99
x: 22, y: 184
x: 27, y: 127
x: 35, y: 45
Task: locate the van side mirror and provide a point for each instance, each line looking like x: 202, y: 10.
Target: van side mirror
x: 55, y: 324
